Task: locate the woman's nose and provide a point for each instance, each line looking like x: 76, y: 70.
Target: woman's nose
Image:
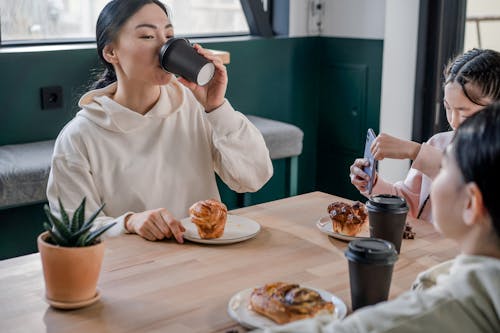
x: 455, y: 120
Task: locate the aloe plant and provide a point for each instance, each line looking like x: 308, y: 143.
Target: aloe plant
x: 74, y: 232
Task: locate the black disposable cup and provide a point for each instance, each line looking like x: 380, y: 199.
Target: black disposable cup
x: 387, y: 218
x: 371, y: 262
x: 177, y: 56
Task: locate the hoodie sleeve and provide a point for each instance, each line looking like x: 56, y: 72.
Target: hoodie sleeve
x: 71, y: 180
x: 240, y: 153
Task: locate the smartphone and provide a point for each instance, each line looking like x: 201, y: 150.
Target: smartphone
x: 372, y: 168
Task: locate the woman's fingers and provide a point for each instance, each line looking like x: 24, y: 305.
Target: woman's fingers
x: 174, y: 226
x: 357, y: 169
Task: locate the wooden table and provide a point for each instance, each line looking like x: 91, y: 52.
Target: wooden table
x: 168, y: 287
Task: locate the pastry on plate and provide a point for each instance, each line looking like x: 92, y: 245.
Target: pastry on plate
x: 285, y: 302
x: 210, y: 217
x: 347, y: 219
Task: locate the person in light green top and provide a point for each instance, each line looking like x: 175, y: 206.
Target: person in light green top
x: 462, y: 295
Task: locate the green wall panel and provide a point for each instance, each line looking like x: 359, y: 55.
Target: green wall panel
x: 349, y: 104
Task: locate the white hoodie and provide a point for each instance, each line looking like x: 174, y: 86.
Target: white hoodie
x: 163, y: 159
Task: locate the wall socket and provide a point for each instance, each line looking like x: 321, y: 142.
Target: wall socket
x: 316, y: 13
x: 51, y: 97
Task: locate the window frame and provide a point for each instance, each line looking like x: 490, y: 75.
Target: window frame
x: 259, y: 22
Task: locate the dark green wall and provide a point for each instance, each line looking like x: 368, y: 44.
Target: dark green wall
x: 349, y: 96
x: 314, y: 83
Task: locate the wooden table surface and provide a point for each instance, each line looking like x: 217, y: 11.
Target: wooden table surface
x: 169, y: 287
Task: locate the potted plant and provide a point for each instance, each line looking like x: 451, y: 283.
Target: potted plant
x: 71, y: 254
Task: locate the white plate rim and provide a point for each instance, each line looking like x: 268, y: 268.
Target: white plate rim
x: 221, y: 241
x: 324, y: 224
x: 339, y: 313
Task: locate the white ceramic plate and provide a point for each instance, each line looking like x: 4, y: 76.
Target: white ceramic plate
x: 238, y: 308
x: 324, y: 225
x: 237, y: 229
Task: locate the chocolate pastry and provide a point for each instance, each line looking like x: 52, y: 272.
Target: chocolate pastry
x: 347, y: 219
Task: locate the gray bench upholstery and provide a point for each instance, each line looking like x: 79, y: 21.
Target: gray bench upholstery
x: 24, y: 171
x: 24, y: 168
x: 282, y: 139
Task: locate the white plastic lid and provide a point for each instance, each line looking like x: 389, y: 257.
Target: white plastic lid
x: 206, y: 73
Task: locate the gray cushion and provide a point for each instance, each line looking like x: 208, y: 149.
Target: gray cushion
x: 282, y: 139
x: 24, y: 171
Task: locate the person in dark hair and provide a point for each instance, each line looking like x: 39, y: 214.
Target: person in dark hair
x: 471, y: 81
x: 148, y: 144
x: 463, y: 294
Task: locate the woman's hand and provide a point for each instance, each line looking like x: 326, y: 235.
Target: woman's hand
x: 211, y: 95
x: 154, y: 225
x: 359, y: 178
x: 386, y: 146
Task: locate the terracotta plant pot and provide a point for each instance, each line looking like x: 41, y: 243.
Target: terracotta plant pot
x: 70, y: 273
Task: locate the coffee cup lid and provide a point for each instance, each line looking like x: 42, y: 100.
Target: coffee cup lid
x: 371, y: 251
x: 387, y: 202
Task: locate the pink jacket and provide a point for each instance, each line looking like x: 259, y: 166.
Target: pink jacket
x: 417, y: 185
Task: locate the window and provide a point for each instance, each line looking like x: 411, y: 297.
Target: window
x: 483, y: 25
x: 68, y: 20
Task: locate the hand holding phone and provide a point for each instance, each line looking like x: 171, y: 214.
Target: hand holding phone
x: 372, y: 167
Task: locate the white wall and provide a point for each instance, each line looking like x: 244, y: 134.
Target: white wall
x: 298, y: 18
x: 341, y: 18
x: 354, y: 19
x: 398, y: 78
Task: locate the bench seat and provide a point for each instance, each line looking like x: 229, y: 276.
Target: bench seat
x: 24, y: 168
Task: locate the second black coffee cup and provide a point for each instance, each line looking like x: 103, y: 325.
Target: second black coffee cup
x: 177, y: 56
x: 387, y: 218
x: 371, y: 262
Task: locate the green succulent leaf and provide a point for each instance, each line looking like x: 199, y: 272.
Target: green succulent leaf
x: 58, y: 225
x: 64, y: 215
x: 91, y: 238
x: 46, y: 209
x: 57, y: 238
x: 91, y: 219
x: 79, y: 233
x: 78, y: 217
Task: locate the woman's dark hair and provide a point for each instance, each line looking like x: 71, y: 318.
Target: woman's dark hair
x: 110, y: 21
x: 476, y: 148
x: 480, y: 68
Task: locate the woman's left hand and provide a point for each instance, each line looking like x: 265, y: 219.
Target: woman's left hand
x: 211, y: 95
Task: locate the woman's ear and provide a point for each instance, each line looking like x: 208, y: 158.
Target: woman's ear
x: 474, y: 209
x: 109, y: 54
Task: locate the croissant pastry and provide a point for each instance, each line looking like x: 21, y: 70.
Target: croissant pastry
x: 210, y: 218
x: 347, y: 219
x: 285, y: 302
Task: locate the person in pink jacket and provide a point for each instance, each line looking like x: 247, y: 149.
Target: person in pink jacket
x: 472, y: 81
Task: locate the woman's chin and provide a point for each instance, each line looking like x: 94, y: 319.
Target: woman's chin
x: 164, y: 78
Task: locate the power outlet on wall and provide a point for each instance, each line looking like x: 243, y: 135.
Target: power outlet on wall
x: 51, y: 97
x: 316, y: 12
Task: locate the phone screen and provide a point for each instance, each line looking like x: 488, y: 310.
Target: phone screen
x: 370, y: 170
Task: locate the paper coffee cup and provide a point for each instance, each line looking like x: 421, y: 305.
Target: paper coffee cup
x: 177, y: 56
x: 387, y: 218
x: 371, y: 262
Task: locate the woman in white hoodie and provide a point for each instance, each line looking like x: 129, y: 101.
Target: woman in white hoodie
x: 148, y: 144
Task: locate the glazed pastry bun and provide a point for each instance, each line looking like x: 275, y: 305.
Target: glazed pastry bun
x: 285, y: 302
x: 347, y: 219
x: 210, y: 218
